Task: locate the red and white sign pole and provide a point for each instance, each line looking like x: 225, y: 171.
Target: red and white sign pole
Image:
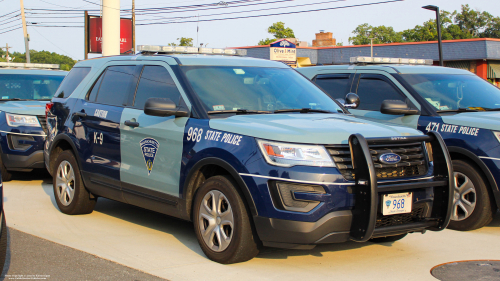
x: 110, y: 27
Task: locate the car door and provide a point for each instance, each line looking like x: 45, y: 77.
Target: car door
x: 151, y: 146
x: 98, y: 123
x: 372, y: 90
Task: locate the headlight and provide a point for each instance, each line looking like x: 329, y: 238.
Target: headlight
x: 22, y: 120
x: 497, y: 134
x: 288, y: 155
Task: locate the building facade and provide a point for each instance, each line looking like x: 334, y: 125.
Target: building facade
x: 480, y: 56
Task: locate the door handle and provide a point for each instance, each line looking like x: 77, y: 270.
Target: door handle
x: 80, y: 114
x: 131, y: 124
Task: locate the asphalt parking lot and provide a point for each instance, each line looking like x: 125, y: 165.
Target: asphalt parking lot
x: 132, y: 238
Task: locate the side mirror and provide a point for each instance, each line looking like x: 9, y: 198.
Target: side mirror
x: 351, y: 101
x: 396, y: 107
x: 163, y: 107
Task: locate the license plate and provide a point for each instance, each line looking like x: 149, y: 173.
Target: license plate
x: 396, y: 203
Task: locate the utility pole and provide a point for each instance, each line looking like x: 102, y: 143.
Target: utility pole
x: 7, y: 50
x: 133, y: 26
x: 110, y: 27
x: 26, y: 35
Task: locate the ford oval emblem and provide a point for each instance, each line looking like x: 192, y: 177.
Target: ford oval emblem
x: 390, y: 158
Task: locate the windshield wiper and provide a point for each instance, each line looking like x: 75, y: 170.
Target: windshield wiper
x: 239, y: 111
x: 301, y: 110
x: 462, y: 109
x: 12, y: 99
x: 491, y: 109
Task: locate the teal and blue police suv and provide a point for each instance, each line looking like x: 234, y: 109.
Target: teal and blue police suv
x: 23, y: 95
x: 249, y: 150
x: 462, y: 107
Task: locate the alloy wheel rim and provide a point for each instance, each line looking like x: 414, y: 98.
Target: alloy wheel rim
x: 65, y: 183
x: 464, y: 201
x: 216, y: 221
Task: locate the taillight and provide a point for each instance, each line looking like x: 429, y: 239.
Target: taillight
x: 48, y: 107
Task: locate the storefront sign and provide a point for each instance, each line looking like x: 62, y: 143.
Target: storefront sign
x: 94, y: 35
x: 283, y: 50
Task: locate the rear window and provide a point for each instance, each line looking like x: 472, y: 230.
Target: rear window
x: 28, y: 86
x: 72, y: 80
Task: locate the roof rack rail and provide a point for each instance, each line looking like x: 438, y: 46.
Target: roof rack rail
x: 28, y: 65
x: 381, y: 60
x: 155, y: 49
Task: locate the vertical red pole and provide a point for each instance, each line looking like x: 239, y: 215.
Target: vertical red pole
x: 482, y: 69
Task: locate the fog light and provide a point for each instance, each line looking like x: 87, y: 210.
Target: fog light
x: 288, y: 201
x: 20, y: 142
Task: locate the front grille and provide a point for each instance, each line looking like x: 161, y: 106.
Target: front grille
x: 413, y: 162
x: 43, y: 123
x: 416, y: 215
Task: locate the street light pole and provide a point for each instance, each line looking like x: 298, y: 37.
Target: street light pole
x: 438, y: 23
x: 371, y: 45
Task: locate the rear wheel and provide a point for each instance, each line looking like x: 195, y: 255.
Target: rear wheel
x: 473, y: 206
x: 222, y: 224
x: 388, y: 238
x: 72, y: 197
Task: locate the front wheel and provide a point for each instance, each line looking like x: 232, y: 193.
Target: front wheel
x: 6, y: 175
x: 473, y: 207
x: 222, y: 224
x: 71, y: 196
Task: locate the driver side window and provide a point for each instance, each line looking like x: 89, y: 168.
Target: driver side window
x: 372, y: 91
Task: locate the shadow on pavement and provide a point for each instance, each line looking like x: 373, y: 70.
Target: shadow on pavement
x: 496, y: 221
x: 183, y: 231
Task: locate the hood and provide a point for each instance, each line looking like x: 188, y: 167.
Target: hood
x: 24, y: 107
x: 307, y: 128
x: 486, y: 119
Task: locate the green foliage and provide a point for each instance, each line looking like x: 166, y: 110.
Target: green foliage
x: 466, y: 24
x: 279, y: 31
x: 183, y: 41
x: 340, y: 44
x: 65, y: 62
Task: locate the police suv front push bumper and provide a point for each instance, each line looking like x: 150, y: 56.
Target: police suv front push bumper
x: 359, y: 223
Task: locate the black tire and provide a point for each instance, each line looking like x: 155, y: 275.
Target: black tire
x: 388, y: 238
x: 3, y: 244
x: 81, y: 202
x: 244, y: 244
x: 6, y: 175
x: 485, y: 206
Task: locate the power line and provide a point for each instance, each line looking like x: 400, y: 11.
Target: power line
x: 278, y: 14
x: 18, y: 11
x: 11, y: 30
x: 53, y: 43
x: 249, y: 11
x: 12, y: 26
x: 10, y: 18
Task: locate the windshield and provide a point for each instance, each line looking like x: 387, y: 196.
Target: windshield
x: 223, y: 88
x: 448, y: 92
x: 28, y: 87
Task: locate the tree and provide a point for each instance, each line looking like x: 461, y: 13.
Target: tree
x: 279, y: 31
x: 65, y: 62
x: 465, y: 24
x: 183, y: 41
x: 380, y: 34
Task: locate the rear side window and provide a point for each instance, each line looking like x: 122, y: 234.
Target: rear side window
x: 72, y: 80
x: 118, y: 82
x: 372, y: 92
x: 155, y: 82
x: 336, y: 86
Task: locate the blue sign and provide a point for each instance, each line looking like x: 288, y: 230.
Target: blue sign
x: 283, y: 43
x: 149, y: 149
x: 390, y: 158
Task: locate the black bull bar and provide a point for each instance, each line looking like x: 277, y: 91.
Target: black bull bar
x: 367, y: 191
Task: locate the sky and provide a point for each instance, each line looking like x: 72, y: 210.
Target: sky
x: 341, y: 22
